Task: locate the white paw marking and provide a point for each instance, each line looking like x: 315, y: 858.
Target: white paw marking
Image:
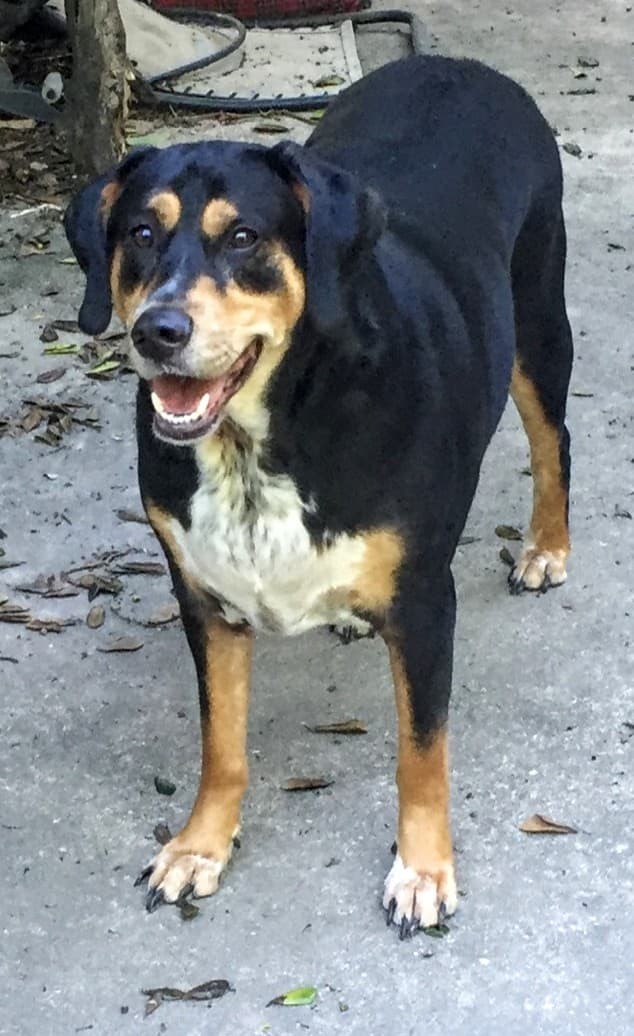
x: 419, y: 896
x: 539, y: 569
x: 174, y: 869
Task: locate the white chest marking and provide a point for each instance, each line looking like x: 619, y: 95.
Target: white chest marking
x: 248, y: 546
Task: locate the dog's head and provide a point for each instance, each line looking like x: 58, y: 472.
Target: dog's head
x: 211, y: 254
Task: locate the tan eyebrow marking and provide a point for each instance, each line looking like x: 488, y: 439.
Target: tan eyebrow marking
x: 167, y: 208
x: 217, y: 216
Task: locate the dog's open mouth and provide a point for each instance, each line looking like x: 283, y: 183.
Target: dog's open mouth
x: 186, y: 409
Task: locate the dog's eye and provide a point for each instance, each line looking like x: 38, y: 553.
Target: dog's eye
x: 143, y: 236
x: 243, y: 237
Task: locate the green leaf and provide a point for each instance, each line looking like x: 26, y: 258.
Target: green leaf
x: 437, y: 931
x: 157, y: 137
x: 303, y: 996
x: 102, y: 369
x: 62, y: 349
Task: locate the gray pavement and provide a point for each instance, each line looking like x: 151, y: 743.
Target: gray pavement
x: 542, y: 711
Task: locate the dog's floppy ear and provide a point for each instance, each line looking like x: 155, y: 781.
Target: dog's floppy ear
x: 343, y: 221
x: 85, y: 223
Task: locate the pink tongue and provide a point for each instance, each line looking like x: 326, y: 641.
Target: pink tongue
x: 182, y: 395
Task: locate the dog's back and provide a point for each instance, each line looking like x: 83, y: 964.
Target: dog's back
x: 459, y: 148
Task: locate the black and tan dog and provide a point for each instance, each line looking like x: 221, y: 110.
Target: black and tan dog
x: 325, y: 338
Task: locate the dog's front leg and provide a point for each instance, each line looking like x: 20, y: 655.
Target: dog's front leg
x: 194, y: 859
x: 420, y: 889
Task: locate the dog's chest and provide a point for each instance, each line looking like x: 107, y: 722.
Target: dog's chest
x: 248, y: 546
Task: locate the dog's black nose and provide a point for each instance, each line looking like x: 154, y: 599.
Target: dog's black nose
x: 161, y: 331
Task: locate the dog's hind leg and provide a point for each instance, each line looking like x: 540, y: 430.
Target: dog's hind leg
x: 539, y: 388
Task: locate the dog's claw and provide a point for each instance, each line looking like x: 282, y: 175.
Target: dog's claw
x: 143, y: 876
x: 515, y: 583
x: 407, y: 927
x: 153, y: 900
x: 389, y: 914
x: 187, y: 891
x: 442, y: 912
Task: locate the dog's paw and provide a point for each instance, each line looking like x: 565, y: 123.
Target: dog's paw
x: 178, y: 870
x: 538, y: 570
x: 358, y: 631
x: 415, y: 900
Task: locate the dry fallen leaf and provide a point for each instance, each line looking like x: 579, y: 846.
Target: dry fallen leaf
x: 168, y: 613
x: 539, y: 824
x: 162, y: 833
x: 66, y: 325
x: 49, y: 334
x: 46, y: 377
x: 96, y: 617
x: 328, y: 80
x: 48, y: 586
x: 125, y: 514
x: 270, y: 127
x: 32, y: 419
x: 344, y: 726
x: 49, y: 625
x: 207, y: 991
x: 122, y: 644
x: 97, y: 583
x: 138, y: 568
x: 187, y: 909
x: 508, y: 532
x: 10, y: 612
x: 306, y: 783
x: 507, y: 557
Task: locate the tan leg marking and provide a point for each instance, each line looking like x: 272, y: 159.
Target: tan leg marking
x: 421, y: 885
x: 199, y: 853
x: 543, y: 560
x: 217, y: 216
x: 166, y: 206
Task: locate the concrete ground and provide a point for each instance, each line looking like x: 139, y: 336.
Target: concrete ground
x: 542, y: 716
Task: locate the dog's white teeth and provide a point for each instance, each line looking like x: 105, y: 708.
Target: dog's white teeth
x: 157, y: 404
x: 193, y: 415
x: 202, y: 406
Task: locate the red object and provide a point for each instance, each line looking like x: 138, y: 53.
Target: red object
x: 252, y: 10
